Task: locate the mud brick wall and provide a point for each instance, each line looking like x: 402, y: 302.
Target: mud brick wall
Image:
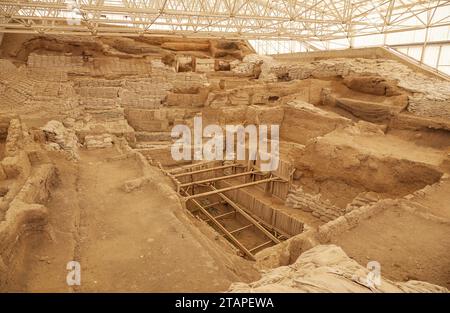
x: 147, y: 120
x: 204, y: 65
x: 324, y: 210
x: 99, y: 92
x: 303, y: 121
x: 25, y: 213
x: 36, y: 60
x: 161, y: 154
x: 89, y: 82
x: 194, y: 100
x: 336, y: 227
x: 188, y: 82
x: 146, y: 102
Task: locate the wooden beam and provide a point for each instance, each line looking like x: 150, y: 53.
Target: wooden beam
x: 209, y: 205
x: 213, y: 204
x: 218, y: 178
x: 222, y: 215
x: 207, y: 170
x: 262, y: 181
x: 260, y: 246
x: 184, y: 167
x: 241, y: 228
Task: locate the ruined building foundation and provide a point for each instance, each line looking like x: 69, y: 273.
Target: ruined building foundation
x: 87, y: 172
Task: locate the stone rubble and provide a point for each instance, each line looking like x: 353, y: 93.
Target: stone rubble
x: 322, y: 209
x: 327, y: 268
x: 98, y: 141
x: 363, y: 199
x: 256, y: 66
x: 429, y: 96
x: 59, y: 137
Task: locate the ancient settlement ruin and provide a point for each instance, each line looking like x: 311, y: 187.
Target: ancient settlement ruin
x: 87, y: 172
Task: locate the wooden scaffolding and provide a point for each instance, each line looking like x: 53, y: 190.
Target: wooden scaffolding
x: 198, y: 181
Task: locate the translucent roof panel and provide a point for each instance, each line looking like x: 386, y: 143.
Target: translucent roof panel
x: 247, y: 19
x: 273, y: 26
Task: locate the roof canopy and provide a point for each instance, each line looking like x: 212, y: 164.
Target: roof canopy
x: 272, y: 26
x: 243, y: 19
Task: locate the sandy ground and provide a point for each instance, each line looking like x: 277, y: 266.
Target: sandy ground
x: 123, y: 241
x: 407, y: 246
x: 437, y: 200
x: 389, y: 145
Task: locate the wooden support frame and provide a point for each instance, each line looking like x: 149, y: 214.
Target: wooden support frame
x: 182, y: 189
x: 225, y: 231
x: 208, y: 205
x: 189, y: 166
x: 213, y: 204
x: 214, y: 179
x: 246, y: 215
x: 209, y: 193
x: 222, y: 215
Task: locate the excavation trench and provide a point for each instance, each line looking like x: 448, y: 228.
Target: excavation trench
x: 219, y: 195
x: 232, y: 223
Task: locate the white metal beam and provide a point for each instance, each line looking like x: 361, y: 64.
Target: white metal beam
x: 246, y: 19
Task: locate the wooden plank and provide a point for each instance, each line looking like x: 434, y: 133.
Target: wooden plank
x: 246, y: 215
x: 217, y: 178
x: 213, y: 204
x: 221, y: 215
x: 209, y: 205
x: 241, y: 228
x: 231, y: 188
x: 224, y: 214
x: 260, y: 246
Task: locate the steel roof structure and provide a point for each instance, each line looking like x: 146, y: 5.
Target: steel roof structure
x: 302, y: 25
x: 247, y: 19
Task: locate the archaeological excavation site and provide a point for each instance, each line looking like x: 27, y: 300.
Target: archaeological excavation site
x: 160, y: 162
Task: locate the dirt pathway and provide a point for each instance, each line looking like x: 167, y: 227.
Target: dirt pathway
x: 123, y: 241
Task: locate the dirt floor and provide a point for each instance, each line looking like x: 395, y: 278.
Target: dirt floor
x: 436, y: 202
x: 121, y: 247
x: 408, y: 246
